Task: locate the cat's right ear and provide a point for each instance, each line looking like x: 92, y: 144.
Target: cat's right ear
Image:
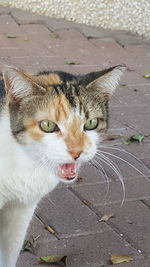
x: 18, y: 84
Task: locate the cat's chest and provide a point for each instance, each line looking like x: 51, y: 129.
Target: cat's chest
x: 23, y: 181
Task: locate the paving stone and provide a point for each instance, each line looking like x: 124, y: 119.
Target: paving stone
x: 27, y: 259
x: 131, y: 78
x: 112, y: 51
x: 66, y: 34
x: 129, y: 119
x: 7, y: 23
x: 139, y: 263
x: 37, y: 230
x: 140, y: 151
x: 60, y: 211
x: 92, y: 250
x: 26, y: 17
x: 132, y: 220
x: 57, y: 24
x: 142, y: 50
x: 125, y: 39
x: 96, y: 32
x: 4, y: 10
x: 98, y: 194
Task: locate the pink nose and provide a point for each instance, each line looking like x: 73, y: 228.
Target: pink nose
x: 75, y: 154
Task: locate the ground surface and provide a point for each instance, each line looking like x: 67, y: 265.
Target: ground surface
x: 36, y: 43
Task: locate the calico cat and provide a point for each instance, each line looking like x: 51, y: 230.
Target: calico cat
x: 50, y: 124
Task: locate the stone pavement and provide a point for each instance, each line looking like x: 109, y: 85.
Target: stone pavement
x: 35, y: 43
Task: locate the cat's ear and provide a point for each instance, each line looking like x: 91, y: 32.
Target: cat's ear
x: 18, y: 84
x: 107, y: 82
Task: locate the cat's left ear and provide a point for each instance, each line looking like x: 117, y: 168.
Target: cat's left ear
x: 19, y: 84
x: 107, y: 83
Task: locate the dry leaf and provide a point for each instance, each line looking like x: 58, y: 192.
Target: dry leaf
x: 85, y: 201
x: 53, y: 35
x: 147, y: 76
x: 30, y: 244
x: 25, y: 38
x: 119, y: 258
x: 50, y: 229
x: 71, y: 63
x: 53, y: 259
x: 138, y: 138
x: 106, y: 217
x: 12, y: 36
x: 79, y: 180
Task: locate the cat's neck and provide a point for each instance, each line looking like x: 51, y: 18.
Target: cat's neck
x: 20, y: 176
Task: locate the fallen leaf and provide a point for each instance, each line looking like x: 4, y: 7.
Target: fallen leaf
x: 119, y: 258
x: 138, y: 138
x: 12, y: 36
x: 53, y: 259
x: 124, y: 84
x: 53, y: 35
x: 111, y: 137
x: 106, y: 217
x: 30, y: 244
x: 147, y: 76
x: 50, y: 229
x: 25, y: 38
x: 79, y: 180
x: 71, y: 63
x: 127, y: 142
x: 85, y: 202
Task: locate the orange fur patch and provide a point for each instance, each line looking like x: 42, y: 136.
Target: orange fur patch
x: 76, y: 140
x: 49, y: 79
x: 33, y: 130
x: 62, y: 107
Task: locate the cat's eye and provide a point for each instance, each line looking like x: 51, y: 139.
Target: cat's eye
x: 48, y: 126
x: 91, y: 124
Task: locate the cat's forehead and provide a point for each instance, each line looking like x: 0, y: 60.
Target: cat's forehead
x: 59, y: 109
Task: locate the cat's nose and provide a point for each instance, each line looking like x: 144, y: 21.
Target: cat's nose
x: 75, y: 154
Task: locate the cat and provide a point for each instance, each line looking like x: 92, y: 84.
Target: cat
x: 50, y: 123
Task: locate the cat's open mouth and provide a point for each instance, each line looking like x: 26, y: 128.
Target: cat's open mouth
x: 67, y: 171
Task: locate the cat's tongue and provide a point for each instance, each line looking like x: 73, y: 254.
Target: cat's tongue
x: 67, y: 171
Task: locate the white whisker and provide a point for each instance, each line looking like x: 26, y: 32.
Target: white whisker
x: 113, y: 166
x: 124, y: 151
x: 112, y: 155
x: 104, y: 174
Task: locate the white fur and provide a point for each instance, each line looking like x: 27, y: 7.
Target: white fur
x: 27, y: 173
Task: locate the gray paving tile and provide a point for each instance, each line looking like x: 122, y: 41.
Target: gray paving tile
x: 135, y: 188
x: 92, y: 250
x: 68, y: 215
x: 132, y: 220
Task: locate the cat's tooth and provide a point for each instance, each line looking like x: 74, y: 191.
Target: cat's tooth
x: 62, y: 171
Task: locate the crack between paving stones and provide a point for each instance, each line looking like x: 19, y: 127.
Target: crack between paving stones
x: 109, y: 223
x: 145, y: 203
x: 44, y: 225
x: 11, y: 15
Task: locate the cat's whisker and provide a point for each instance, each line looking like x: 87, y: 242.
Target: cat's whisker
x: 124, y: 151
x: 114, y: 167
x: 127, y: 162
x: 38, y: 168
x: 94, y: 163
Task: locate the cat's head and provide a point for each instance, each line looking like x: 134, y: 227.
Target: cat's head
x: 57, y: 117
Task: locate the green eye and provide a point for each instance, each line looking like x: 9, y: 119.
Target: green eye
x: 48, y: 126
x: 91, y: 124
